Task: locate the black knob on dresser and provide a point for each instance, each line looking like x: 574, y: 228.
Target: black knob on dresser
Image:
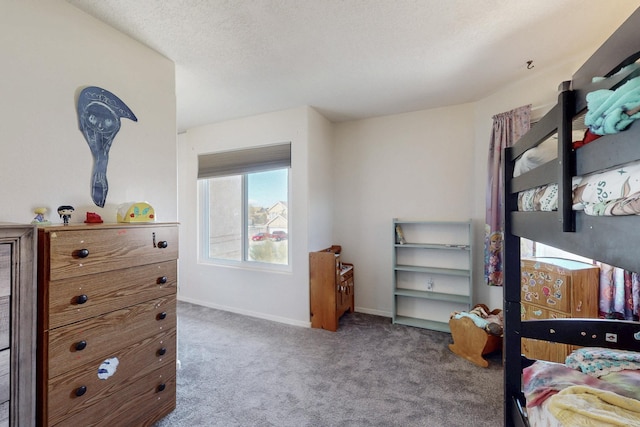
x: 81, y: 390
x: 163, y: 244
x: 162, y: 315
x: 162, y: 280
x: 81, y: 299
x: 162, y: 351
x: 161, y: 387
x: 82, y: 253
x: 81, y: 345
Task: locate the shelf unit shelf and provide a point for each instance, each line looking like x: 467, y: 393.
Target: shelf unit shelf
x: 433, y: 246
x: 432, y: 271
x: 439, y: 296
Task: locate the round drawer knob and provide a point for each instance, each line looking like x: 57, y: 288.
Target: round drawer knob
x: 81, y: 299
x: 161, y: 387
x: 82, y: 253
x: 162, y: 280
x: 162, y: 244
x: 81, y: 345
x: 162, y: 315
x: 162, y: 351
x: 81, y: 390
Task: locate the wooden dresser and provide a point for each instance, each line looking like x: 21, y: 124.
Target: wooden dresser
x: 331, y: 288
x: 106, y: 324
x: 555, y: 288
x: 17, y: 325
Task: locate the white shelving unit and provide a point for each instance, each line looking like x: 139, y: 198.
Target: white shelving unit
x: 432, y: 272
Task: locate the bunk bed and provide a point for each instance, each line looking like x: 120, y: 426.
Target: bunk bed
x: 612, y: 240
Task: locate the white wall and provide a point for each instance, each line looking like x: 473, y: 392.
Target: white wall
x: 321, y: 191
x: 416, y: 165
x: 281, y: 296
x: 50, y: 51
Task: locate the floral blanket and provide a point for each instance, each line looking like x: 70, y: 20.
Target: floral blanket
x: 545, y: 379
x: 558, y: 395
x: 607, y: 193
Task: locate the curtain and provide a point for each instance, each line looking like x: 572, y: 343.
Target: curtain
x: 507, y: 129
x: 619, y: 293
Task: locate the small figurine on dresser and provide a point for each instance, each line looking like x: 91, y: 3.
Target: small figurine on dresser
x: 93, y: 218
x: 40, y: 219
x: 65, y: 212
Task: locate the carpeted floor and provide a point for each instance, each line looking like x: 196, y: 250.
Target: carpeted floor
x: 242, y: 371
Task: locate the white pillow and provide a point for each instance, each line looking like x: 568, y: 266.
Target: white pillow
x: 531, y: 159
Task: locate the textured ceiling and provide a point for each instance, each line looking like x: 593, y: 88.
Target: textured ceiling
x: 353, y: 59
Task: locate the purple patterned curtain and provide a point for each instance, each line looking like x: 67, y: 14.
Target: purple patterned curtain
x: 507, y: 129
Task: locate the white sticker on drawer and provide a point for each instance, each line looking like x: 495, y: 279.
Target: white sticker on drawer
x: 108, y: 368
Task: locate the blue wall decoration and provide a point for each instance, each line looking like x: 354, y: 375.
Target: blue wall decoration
x: 99, y: 113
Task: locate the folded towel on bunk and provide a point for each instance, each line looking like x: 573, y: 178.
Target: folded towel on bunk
x: 597, y: 361
x: 587, y: 406
x: 612, y: 111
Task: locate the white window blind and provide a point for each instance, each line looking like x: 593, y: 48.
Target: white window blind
x: 249, y: 160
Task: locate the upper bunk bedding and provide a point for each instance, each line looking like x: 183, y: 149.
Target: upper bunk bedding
x: 615, y: 191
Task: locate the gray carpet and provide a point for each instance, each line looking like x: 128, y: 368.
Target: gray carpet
x: 242, y: 371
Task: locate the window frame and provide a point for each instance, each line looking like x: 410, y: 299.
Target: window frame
x: 204, y: 227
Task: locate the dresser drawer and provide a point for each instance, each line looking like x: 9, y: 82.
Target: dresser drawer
x: 80, y: 389
x: 94, y: 339
x: 79, y: 298
x: 559, y: 284
x: 73, y: 253
x: 532, y: 312
x: 545, y: 350
x: 134, y: 401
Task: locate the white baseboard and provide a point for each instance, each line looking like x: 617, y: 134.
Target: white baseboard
x: 248, y: 313
x: 373, y: 312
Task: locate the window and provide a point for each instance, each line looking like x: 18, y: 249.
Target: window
x: 244, y: 205
x: 529, y: 248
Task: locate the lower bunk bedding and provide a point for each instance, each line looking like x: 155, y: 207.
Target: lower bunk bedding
x: 596, y: 387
